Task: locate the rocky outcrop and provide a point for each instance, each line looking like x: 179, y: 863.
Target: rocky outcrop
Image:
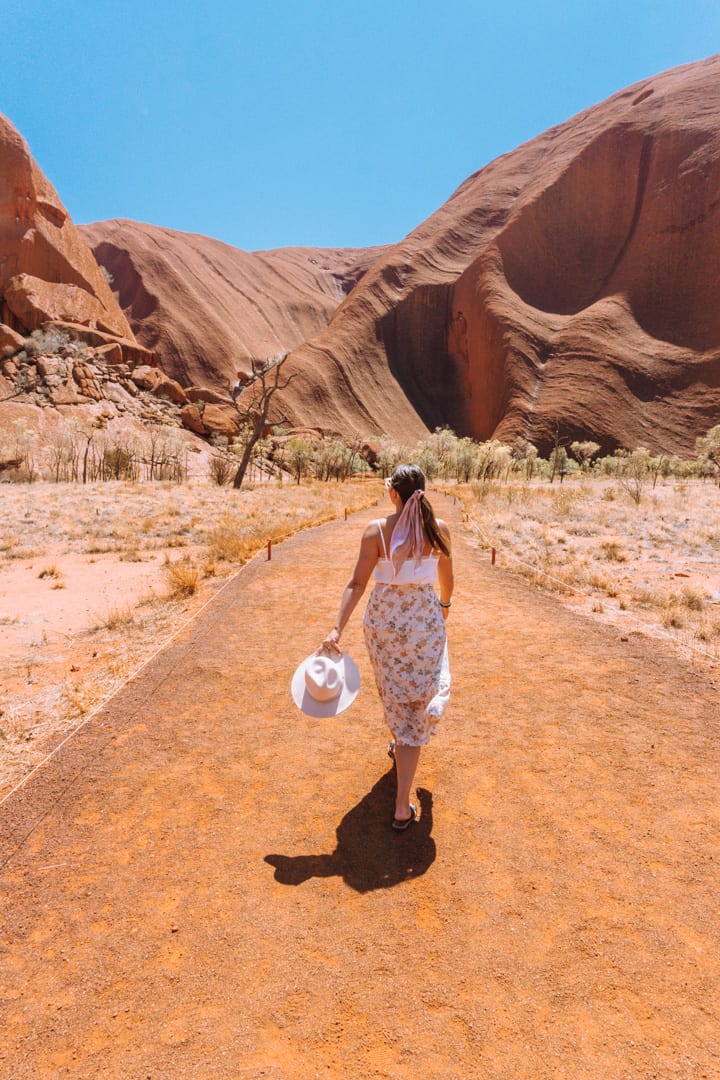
x: 81, y: 376
x: 570, y: 284
x: 209, y: 309
x: 47, y: 271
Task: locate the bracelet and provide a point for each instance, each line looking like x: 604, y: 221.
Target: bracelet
x: 449, y: 604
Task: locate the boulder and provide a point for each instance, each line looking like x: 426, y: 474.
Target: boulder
x: 49, y: 365
x: 132, y: 353
x: 146, y: 377
x: 63, y: 395
x: 191, y: 419
x: 38, y: 239
x: 169, y: 390
x: 85, y: 377
x: 219, y: 421
x: 207, y: 394
x: 34, y: 302
x: 10, y: 341
x: 110, y: 354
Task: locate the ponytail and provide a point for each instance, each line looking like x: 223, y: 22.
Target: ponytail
x: 430, y: 525
x: 409, y: 478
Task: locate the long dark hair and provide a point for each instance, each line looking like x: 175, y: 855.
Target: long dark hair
x: 409, y: 478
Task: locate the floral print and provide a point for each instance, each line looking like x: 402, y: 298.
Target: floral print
x: 407, y: 645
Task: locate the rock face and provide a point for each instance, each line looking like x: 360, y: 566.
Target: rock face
x: 570, y: 284
x: 209, y: 309
x: 47, y: 271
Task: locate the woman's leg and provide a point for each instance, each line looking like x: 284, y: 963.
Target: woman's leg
x: 406, y: 763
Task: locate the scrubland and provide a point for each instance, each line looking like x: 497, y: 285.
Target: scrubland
x: 651, y: 565
x: 93, y: 578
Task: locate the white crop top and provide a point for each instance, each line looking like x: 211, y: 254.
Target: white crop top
x: 409, y: 573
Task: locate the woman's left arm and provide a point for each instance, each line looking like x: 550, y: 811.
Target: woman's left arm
x: 355, y: 587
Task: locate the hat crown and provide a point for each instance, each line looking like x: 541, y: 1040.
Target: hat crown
x: 323, y: 679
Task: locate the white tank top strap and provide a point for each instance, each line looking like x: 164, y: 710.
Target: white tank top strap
x: 382, y: 537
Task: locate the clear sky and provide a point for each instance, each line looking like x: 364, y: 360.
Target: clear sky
x: 267, y: 123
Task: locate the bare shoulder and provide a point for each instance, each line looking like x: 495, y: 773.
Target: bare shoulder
x: 372, y: 529
x: 444, y: 531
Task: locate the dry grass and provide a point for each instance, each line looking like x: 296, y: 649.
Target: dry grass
x: 50, y: 572
x: 183, y: 578
x: 590, y: 543
x: 49, y: 682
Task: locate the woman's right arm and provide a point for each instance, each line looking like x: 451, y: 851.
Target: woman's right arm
x: 353, y: 591
x: 446, y: 579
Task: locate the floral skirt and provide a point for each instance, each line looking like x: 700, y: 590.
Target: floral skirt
x: 406, y: 641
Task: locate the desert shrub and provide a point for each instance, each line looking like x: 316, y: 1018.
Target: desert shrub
x: 613, y: 551
x: 50, y: 572
x: 221, y: 469
x: 117, y: 617
x: 50, y: 342
x: 691, y: 598
x: 226, y: 543
x: 183, y: 578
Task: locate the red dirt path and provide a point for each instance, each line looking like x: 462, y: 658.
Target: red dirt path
x: 203, y: 883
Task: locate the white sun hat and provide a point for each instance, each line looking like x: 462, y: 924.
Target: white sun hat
x: 324, y: 685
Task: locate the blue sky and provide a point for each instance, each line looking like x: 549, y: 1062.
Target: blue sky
x: 313, y: 122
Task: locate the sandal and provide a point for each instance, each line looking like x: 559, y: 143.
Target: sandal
x: 401, y: 824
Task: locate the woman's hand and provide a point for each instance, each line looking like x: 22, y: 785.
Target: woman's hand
x: 331, y: 643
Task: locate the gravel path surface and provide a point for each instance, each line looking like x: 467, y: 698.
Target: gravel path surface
x: 203, y: 882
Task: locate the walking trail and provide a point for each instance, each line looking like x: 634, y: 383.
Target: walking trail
x: 203, y: 882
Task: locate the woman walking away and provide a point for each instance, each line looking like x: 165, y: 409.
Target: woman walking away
x: 404, y: 622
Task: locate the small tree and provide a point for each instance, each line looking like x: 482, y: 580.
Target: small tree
x: 633, y: 472
x: 708, y: 449
x: 253, y: 407
x: 298, y: 456
x: 584, y: 452
x: 524, y: 456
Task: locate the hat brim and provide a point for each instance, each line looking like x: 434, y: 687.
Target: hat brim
x: 325, y: 709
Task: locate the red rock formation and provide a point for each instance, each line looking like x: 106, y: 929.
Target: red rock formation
x: 210, y: 309
x: 46, y: 268
x: 572, y: 282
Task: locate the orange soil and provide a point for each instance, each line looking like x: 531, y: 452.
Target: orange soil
x: 203, y: 881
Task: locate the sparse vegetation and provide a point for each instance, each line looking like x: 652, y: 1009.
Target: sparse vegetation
x: 590, y: 539
x: 133, y: 530
x: 641, y: 550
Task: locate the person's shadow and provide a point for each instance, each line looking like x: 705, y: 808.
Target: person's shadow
x: 369, y: 854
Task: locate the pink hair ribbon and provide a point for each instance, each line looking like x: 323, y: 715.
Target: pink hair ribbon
x: 408, y: 538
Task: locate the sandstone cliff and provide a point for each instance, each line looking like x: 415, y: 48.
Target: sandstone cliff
x: 570, y: 283
x: 47, y: 272
x: 208, y: 308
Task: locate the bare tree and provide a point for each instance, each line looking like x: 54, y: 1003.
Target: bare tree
x: 558, y: 455
x: 253, y: 407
